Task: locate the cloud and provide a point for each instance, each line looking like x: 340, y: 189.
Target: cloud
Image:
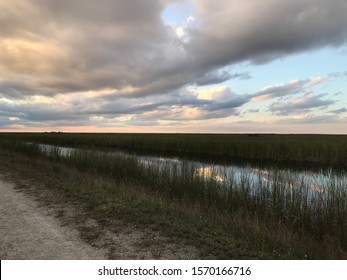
x: 260, y: 31
x: 301, y: 104
x: 16, y: 90
x: 84, y: 108
x: 291, y: 88
x: 106, y: 107
x: 68, y: 46
x: 337, y: 74
x: 119, y: 61
x: 339, y: 111
x: 217, y: 77
x: 312, y: 119
x: 80, y: 45
x: 182, y: 105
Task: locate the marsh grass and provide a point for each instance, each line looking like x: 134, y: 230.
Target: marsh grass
x: 303, y: 150
x: 284, y: 204
x: 287, y: 199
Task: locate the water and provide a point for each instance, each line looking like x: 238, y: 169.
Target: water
x: 62, y: 151
x: 315, y: 181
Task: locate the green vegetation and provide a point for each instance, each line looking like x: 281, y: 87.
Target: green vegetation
x: 237, y: 218
x: 285, y: 149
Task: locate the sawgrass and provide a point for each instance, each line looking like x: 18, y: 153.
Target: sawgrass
x: 306, y: 150
x: 284, y: 204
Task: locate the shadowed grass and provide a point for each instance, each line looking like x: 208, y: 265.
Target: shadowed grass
x: 260, y: 148
x: 283, y: 215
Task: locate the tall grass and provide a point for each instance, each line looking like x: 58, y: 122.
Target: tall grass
x: 285, y: 199
x: 32, y: 150
x: 304, y: 149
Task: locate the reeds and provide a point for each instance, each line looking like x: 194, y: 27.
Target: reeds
x: 283, y: 198
x: 284, y: 149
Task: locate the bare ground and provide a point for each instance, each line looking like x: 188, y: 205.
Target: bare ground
x: 34, y: 224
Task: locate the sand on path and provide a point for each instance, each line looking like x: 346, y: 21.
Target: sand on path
x: 28, y: 232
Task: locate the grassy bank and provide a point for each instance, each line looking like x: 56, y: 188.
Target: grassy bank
x: 285, y: 149
x: 234, y: 220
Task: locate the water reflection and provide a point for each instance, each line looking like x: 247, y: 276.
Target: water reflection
x: 263, y: 177
x: 61, y: 151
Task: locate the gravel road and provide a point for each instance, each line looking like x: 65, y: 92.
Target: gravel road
x: 27, y: 231
x: 35, y: 224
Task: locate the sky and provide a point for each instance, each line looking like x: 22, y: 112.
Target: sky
x: 174, y: 66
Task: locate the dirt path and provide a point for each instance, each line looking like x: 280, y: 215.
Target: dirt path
x: 28, y: 232
x: 36, y: 224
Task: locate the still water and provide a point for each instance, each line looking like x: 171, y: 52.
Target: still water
x: 316, y: 181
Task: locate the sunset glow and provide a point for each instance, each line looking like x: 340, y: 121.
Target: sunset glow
x: 175, y: 66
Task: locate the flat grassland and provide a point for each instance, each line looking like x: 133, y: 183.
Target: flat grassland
x: 305, y: 149
x: 238, y: 218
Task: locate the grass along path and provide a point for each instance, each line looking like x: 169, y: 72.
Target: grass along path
x: 118, y: 204
x: 44, y: 223
x: 29, y: 232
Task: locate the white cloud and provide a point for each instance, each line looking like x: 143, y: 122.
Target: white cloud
x: 14, y: 118
x: 219, y: 93
x: 83, y: 62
